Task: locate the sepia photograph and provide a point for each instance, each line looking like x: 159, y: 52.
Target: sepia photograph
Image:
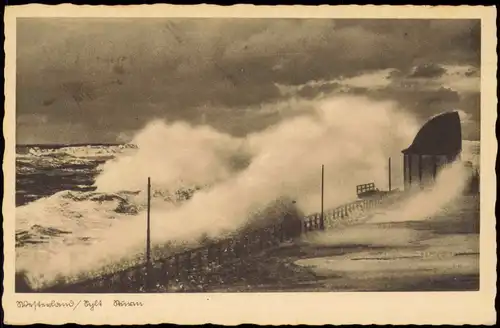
x: 162, y: 155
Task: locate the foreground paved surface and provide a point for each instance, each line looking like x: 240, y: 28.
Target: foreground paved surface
x: 393, y: 250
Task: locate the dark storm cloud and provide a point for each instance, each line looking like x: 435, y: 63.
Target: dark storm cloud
x: 427, y: 101
x: 107, y: 76
x: 428, y: 70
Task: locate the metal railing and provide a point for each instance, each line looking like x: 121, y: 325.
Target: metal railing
x: 200, y: 265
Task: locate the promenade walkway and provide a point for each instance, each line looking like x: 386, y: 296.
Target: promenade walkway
x: 388, y: 251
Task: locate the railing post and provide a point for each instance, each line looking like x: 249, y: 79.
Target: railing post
x: 219, y: 253
x: 390, y: 174
x: 148, y: 240
x: 177, y: 266
x: 165, y: 272
x: 200, y: 259
x: 322, y: 220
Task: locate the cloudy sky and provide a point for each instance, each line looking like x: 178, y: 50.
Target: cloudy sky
x: 100, y: 80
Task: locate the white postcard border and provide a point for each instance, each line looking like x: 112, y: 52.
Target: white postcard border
x: 268, y: 308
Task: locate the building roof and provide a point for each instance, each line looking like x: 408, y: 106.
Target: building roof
x: 441, y: 135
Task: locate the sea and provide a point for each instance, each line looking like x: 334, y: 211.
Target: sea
x: 43, y: 170
x: 59, y: 211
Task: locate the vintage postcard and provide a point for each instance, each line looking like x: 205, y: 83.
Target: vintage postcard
x: 246, y: 164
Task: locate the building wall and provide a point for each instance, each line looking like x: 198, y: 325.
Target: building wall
x: 406, y: 171
x: 428, y: 164
x: 420, y: 171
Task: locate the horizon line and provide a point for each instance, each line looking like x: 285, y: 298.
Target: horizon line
x: 107, y: 144
x: 74, y: 144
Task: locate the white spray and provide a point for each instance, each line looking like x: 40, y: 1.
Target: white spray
x: 352, y: 137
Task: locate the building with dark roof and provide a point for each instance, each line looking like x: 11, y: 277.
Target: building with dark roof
x: 438, y: 143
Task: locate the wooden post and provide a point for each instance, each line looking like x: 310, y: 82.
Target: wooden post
x: 420, y: 170
x: 148, y: 240
x: 390, y: 174
x: 434, y: 167
x: 322, y: 220
x: 410, y: 158
x: 405, y: 176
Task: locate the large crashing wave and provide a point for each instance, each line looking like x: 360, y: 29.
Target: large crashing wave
x: 175, y: 156
x: 226, y: 181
